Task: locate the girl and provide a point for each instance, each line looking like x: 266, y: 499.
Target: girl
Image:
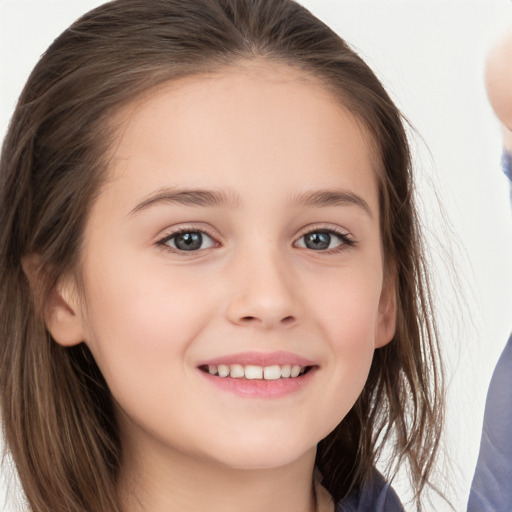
x: 213, y: 288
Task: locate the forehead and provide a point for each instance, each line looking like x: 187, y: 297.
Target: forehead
x: 237, y: 125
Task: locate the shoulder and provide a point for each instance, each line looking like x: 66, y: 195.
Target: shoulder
x: 376, y: 496
x: 490, y: 489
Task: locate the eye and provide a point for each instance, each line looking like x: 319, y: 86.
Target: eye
x: 188, y: 241
x: 323, y: 240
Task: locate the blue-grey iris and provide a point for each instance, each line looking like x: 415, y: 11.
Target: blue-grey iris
x: 317, y: 240
x: 191, y: 241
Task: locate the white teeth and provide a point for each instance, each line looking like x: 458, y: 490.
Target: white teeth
x: 272, y: 372
x: 223, y: 370
x: 286, y: 371
x: 236, y: 371
x: 295, y: 371
x: 253, y: 372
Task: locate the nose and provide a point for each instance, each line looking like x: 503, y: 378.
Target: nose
x: 263, y: 292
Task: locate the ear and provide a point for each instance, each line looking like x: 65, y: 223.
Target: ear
x: 60, y: 307
x: 386, y: 321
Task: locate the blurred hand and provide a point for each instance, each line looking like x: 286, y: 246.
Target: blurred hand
x: 498, y: 77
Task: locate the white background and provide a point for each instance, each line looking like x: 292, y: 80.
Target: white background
x: 430, y: 55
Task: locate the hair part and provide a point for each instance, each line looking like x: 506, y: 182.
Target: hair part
x: 58, y: 412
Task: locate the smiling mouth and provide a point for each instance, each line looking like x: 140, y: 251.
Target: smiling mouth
x: 254, y: 372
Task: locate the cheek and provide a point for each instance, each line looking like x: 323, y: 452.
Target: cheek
x: 348, y: 313
x: 142, y: 323
x: 348, y: 307
x: 140, y: 333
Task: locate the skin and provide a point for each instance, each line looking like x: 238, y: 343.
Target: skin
x: 499, y: 83
x: 264, y: 135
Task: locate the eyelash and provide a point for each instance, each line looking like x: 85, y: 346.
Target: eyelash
x: 346, y: 240
x: 163, y: 241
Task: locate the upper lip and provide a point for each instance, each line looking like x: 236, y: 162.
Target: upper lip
x: 260, y: 359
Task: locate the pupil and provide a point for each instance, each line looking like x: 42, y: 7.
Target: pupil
x: 189, y: 241
x: 318, y: 241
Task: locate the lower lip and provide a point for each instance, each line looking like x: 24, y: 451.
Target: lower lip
x: 260, y: 388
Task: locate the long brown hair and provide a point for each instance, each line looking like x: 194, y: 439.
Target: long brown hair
x: 57, y: 410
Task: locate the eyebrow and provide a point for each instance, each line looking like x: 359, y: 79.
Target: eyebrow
x: 210, y: 198
x: 192, y: 197
x: 327, y: 198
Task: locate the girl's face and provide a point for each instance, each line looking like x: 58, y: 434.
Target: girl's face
x: 239, y: 231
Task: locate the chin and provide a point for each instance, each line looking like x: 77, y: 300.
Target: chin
x: 256, y: 454
x: 261, y: 461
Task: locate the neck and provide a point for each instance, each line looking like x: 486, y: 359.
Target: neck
x: 164, y: 481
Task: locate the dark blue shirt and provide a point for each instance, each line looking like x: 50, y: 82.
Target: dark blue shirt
x: 379, y: 496
x: 491, y: 490
x: 506, y: 162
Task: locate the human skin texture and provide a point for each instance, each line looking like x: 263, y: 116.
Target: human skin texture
x: 499, y: 82
x: 239, y: 224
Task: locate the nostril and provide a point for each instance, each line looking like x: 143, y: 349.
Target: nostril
x: 249, y: 319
